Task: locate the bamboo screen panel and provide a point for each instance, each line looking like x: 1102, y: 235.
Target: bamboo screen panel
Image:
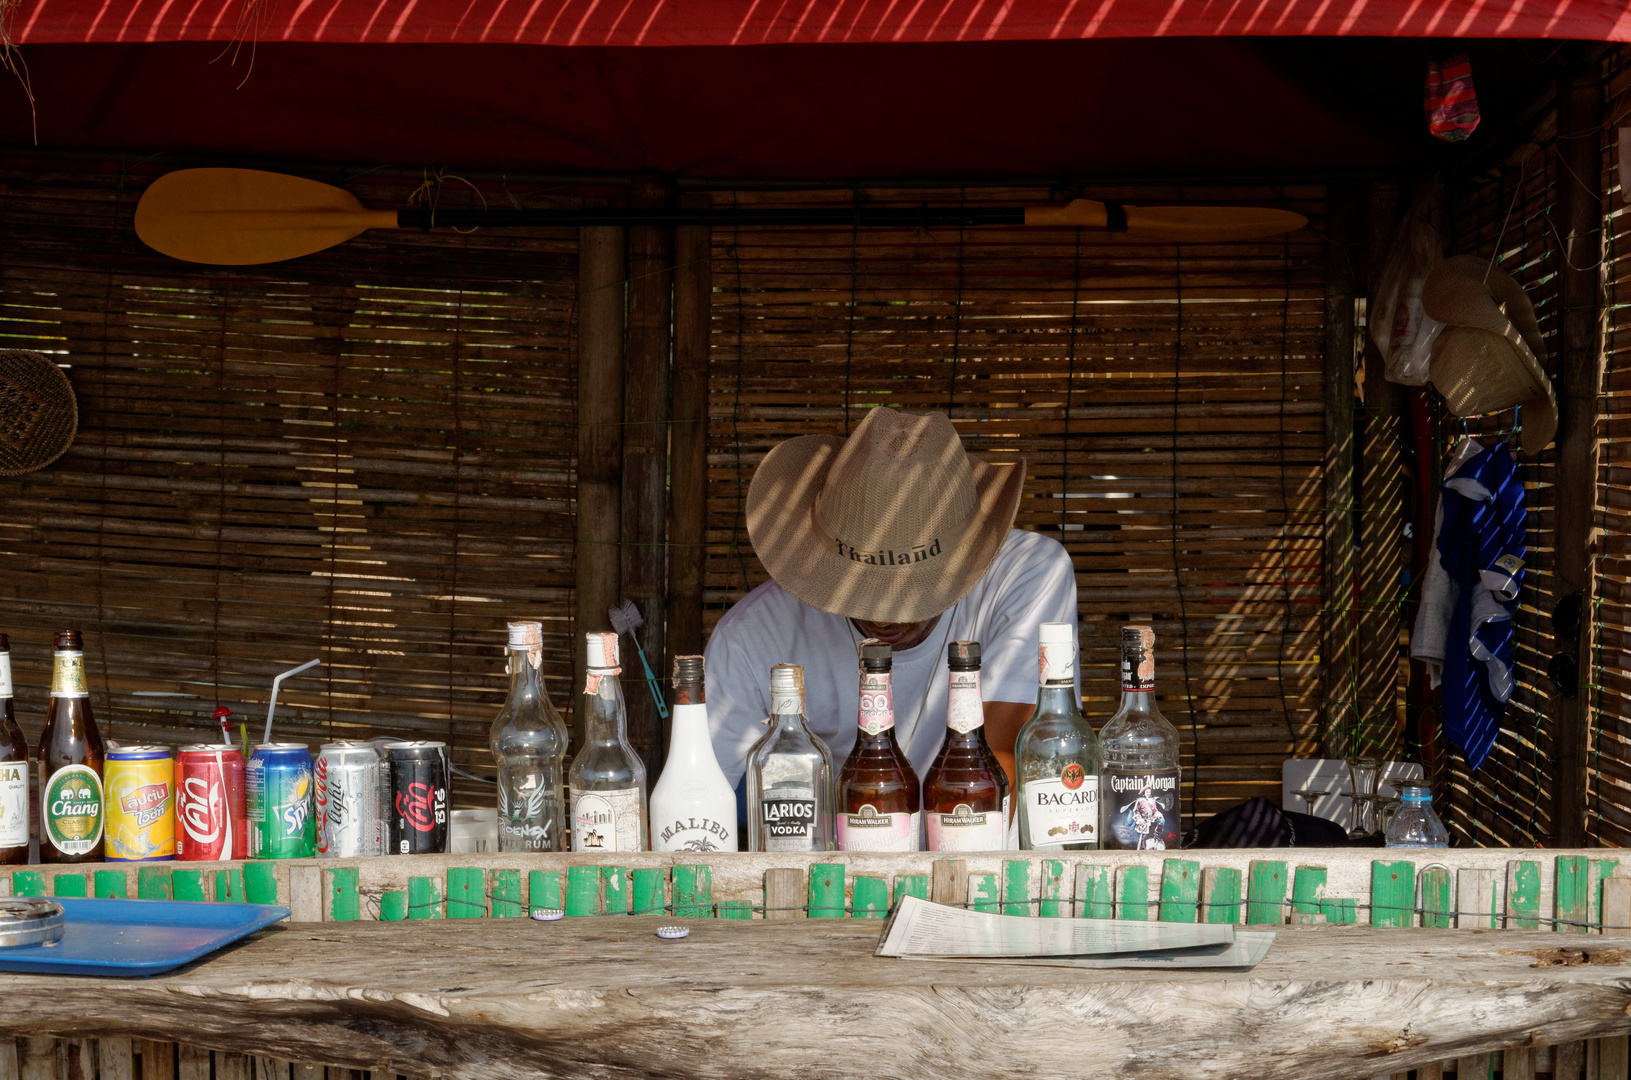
x: 1168, y: 401
x: 364, y: 456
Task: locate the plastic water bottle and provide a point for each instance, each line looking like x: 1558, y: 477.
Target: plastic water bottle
x: 1415, y: 825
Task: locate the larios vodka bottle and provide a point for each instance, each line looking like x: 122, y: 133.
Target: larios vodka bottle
x: 693, y: 806
x: 965, y: 795
x: 529, y: 744
x: 1141, y: 774
x: 608, y: 780
x: 878, y: 791
x: 1057, y: 755
x: 790, y: 775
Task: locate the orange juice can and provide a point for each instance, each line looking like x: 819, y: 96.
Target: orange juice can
x: 139, y: 786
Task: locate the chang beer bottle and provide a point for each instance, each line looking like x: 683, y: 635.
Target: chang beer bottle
x: 13, y: 771
x: 70, y: 763
x: 1141, y: 771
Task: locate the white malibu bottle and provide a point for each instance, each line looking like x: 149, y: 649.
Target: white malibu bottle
x: 693, y: 806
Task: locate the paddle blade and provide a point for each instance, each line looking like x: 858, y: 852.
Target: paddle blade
x: 1169, y: 224
x: 240, y: 217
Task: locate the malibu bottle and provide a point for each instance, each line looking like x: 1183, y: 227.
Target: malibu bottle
x: 878, y: 793
x: 693, y: 806
x: 1141, y: 772
x: 1057, y: 755
x: 789, y: 775
x: 965, y: 795
x: 608, y: 780
x: 70, y: 763
x: 13, y: 771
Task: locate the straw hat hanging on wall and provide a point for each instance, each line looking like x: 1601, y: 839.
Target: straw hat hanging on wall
x: 1487, y: 357
x: 38, y: 413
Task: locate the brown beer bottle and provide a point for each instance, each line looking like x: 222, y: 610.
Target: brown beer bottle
x: 878, y: 794
x: 70, y: 763
x: 13, y: 771
x: 965, y: 795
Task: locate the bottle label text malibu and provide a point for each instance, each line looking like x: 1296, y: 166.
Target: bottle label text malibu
x: 606, y: 820
x: 1141, y: 809
x: 1063, y: 809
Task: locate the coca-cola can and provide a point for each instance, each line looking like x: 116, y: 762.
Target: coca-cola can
x: 212, y: 819
x: 351, y: 800
x: 419, y: 781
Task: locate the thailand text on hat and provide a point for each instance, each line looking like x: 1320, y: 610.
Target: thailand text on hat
x: 894, y: 524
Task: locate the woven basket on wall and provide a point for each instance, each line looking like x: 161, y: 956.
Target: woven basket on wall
x: 38, y: 413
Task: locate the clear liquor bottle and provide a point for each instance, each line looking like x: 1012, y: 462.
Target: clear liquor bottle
x: 70, y: 762
x: 607, y: 778
x: 528, y: 741
x: 1142, y: 777
x: 13, y: 771
x: 790, y: 775
x: 693, y: 806
x: 965, y: 794
x: 1058, y: 756
x: 879, y: 798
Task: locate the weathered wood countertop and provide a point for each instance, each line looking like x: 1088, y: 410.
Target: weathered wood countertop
x: 606, y: 998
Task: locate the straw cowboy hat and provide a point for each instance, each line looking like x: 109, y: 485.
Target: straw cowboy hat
x: 894, y: 524
x: 1487, y: 357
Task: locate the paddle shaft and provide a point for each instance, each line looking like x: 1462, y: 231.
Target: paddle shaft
x: 925, y: 217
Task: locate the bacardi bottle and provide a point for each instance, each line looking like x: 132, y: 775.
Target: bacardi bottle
x: 529, y: 746
x: 1141, y: 772
x: 608, y: 780
x: 1058, y: 755
x: 70, y: 763
x: 879, y: 807
x: 693, y: 806
x: 790, y: 775
x: 965, y: 795
x: 13, y: 771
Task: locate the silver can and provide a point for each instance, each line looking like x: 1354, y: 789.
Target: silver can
x: 352, y: 798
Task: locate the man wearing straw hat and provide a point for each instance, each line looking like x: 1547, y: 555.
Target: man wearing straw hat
x: 894, y: 533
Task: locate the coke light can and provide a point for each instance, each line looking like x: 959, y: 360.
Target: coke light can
x: 351, y: 800
x: 419, y: 779
x: 139, y: 787
x: 281, y: 822
x: 211, y: 815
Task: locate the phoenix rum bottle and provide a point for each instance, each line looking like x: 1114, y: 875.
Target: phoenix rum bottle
x: 1058, y: 756
x: 529, y: 746
x: 13, y: 771
x: 878, y: 794
x: 1141, y: 771
x: 608, y: 779
x: 789, y: 775
x: 965, y: 795
x: 693, y: 806
x: 70, y: 763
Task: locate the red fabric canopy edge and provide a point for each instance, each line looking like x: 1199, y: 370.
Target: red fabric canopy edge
x: 775, y: 22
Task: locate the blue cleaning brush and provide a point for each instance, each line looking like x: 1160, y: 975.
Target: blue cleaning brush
x: 626, y: 620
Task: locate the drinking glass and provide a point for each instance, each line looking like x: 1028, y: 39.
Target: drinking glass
x: 1362, y: 773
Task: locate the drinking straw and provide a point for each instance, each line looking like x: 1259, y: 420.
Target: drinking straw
x: 271, y: 706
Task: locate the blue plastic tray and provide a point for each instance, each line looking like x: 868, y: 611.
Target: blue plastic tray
x: 138, y: 937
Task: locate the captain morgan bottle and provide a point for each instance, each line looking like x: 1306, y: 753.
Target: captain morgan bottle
x: 1141, y: 772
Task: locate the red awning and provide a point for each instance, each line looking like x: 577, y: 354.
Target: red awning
x: 766, y: 22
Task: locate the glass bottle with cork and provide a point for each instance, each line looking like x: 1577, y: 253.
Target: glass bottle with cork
x: 13, y: 771
x: 1142, y: 776
x: 70, y: 758
x: 965, y: 794
x: 1057, y: 755
x: 789, y: 775
x: 528, y: 741
x: 879, y: 798
x: 693, y: 806
x: 607, y: 779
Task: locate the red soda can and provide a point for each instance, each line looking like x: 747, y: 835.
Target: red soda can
x: 210, y: 805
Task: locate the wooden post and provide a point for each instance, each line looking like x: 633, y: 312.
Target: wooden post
x: 1337, y: 630
x: 1579, y: 381
x: 602, y: 282
x: 645, y: 457
x: 688, y: 443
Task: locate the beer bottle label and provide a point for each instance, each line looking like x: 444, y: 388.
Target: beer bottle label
x: 868, y: 830
x: 13, y: 804
x: 877, y: 702
x: 1062, y: 809
x: 1141, y: 810
x: 606, y: 821
x: 72, y: 817
x: 788, y: 818
x: 966, y: 829
x: 964, y: 709
x: 5, y: 675
x: 68, y: 676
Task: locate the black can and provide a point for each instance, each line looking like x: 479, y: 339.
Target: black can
x: 419, y: 781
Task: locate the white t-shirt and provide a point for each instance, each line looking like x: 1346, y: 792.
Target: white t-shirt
x: 1030, y: 582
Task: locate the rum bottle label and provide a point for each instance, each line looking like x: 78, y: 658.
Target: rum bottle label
x: 1062, y: 809
x: 966, y: 829
x: 868, y: 830
x: 13, y: 804
x: 1141, y: 810
x: 72, y: 804
x: 606, y: 821
x: 789, y: 819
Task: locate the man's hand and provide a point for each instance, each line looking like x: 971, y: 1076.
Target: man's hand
x: 1003, y: 719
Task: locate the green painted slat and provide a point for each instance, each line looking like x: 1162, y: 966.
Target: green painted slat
x: 1055, y: 893
x: 28, y: 883
x: 153, y: 883
x: 68, y: 885
x: 1392, y: 893
x: 1180, y: 890
x: 1436, y: 906
x: 424, y: 898
x: 1523, y: 895
x: 229, y: 886
x: 188, y: 885
x: 1016, y: 887
x: 582, y: 890
x: 646, y: 891
x: 614, y: 881
x: 1266, y: 892
x: 1307, y: 885
x: 871, y: 897
x: 1571, y: 895
x: 735, y: 909
x: 1223, y: 904
x: 393, y: 905
x: 983, y: 893
x: 1600, y: 869
x: 1340, y: 912
x: 111, y: 884
x: 260, y: 883
x: 466, y: 892
x: 507, y: 894
x: 544, y: 890
x: 694, y: 890
x: 1097, y: 899
x: 911, y: 885
x: 345, y: 904
x: 826, y: 890
x: 1133, y: 893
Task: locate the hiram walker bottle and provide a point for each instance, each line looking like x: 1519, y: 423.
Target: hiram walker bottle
x: 1141, y: 773
x: 13, y: 771
x: 789, y: 775
x: 878, y: 793
x: 693, y: 806
x: 1057, y: 755
x: 608, y: 780
x: 528, y: 741
x: 70, y: 763
x: 965, y: 795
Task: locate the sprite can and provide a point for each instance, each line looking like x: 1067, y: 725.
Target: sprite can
x: 279, y: 785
